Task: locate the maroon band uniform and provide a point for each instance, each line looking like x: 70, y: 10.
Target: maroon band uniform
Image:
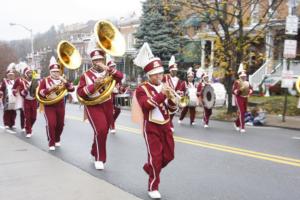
x: 157, y: 131
x: 206, y: 111
x: 155, y: 109
x: 30, y: 103
x: 116, y: 110
x: 55, y: 113
x: 9, y: 114
x: 192, y: 109
x: 100, y: 116
x: 241, y: 99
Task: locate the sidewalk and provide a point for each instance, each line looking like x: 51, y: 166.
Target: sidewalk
x: 27, y: 172
x: 292, y: 122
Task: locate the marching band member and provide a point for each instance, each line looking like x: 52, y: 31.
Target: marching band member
x: 206, y: 111
x: 16, y: 91
x: 187, y: 88
x: 9, y: 114
x: 174, y: 82
x: 55, y: 113
x: 30, y: 103
x: 116, y: 110
x: 151, y: 98
x: 241, y: 90
x: 100, y: 115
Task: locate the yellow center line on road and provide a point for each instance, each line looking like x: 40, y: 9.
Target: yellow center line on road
x: 223, y: 148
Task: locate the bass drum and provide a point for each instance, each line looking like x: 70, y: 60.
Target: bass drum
x: 10, y: 101
x: 193, y: 99
x: 214, y: 95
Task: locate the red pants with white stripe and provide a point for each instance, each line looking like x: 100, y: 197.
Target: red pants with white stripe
x: 22, y: 117
x: 100, y: 118
x: 206, y: 114
x: 9, y: 117
x: 117, y: 112
x: 55, y: 117
x: 192, y: 113
x: 241, y: 103
x: 171, y: 120
x: 160, y: 147
x: 30, y: 107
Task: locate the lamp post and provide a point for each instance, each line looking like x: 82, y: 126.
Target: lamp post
x: 31, y: 37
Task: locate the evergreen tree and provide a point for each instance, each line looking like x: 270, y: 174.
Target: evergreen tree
x: 160, y: 28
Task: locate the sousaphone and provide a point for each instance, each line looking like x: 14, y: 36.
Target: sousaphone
x: 112, y: 42
x: 69, y: 57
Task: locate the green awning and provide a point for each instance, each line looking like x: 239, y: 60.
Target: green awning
x: 193, y: 20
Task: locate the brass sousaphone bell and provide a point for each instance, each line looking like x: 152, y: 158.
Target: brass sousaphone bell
x: 69, y: 57
x: 112, y: 42
x: 109, y: 38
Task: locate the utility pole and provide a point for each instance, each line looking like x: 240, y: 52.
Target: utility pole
x: 31, y: 39
x: 290, y: 50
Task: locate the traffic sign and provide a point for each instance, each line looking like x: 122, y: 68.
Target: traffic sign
x: 290, y: 48
x: 291, y: 25
x: 287, y: 79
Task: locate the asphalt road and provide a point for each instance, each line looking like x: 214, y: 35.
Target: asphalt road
x: 216, y: 163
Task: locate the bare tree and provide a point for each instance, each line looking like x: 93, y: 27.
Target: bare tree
x: 7, y: 56
x: 237, y: 24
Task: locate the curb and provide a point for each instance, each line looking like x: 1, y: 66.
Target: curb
x: 220, y: 120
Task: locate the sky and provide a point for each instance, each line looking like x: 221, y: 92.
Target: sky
x: 40, y: 15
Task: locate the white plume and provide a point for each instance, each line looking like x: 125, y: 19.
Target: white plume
x: 190, y: 70
x: 52, y: 61
x: 144, y: 56
x: 172, y: 61
x: 11, y: 66
x: 241, y: 68
x: 21, y: 66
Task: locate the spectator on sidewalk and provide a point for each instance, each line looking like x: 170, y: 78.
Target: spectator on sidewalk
x: 257, y: 117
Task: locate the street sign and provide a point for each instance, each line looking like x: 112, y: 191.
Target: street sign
x: 290, y: 48
x: 291, y: 25
x: 287, y: 79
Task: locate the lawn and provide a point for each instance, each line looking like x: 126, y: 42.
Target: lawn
x: 274, y: 104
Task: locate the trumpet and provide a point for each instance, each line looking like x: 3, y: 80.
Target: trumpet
x: 171, y: 94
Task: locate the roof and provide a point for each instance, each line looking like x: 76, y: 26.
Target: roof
x: 129, y: 20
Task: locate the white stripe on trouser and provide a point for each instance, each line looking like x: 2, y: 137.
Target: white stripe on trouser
x: 96, y: 133
x: 148, y: 148
x: 240, y: 114
x: 204, y: 116
x: 47, y: 127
